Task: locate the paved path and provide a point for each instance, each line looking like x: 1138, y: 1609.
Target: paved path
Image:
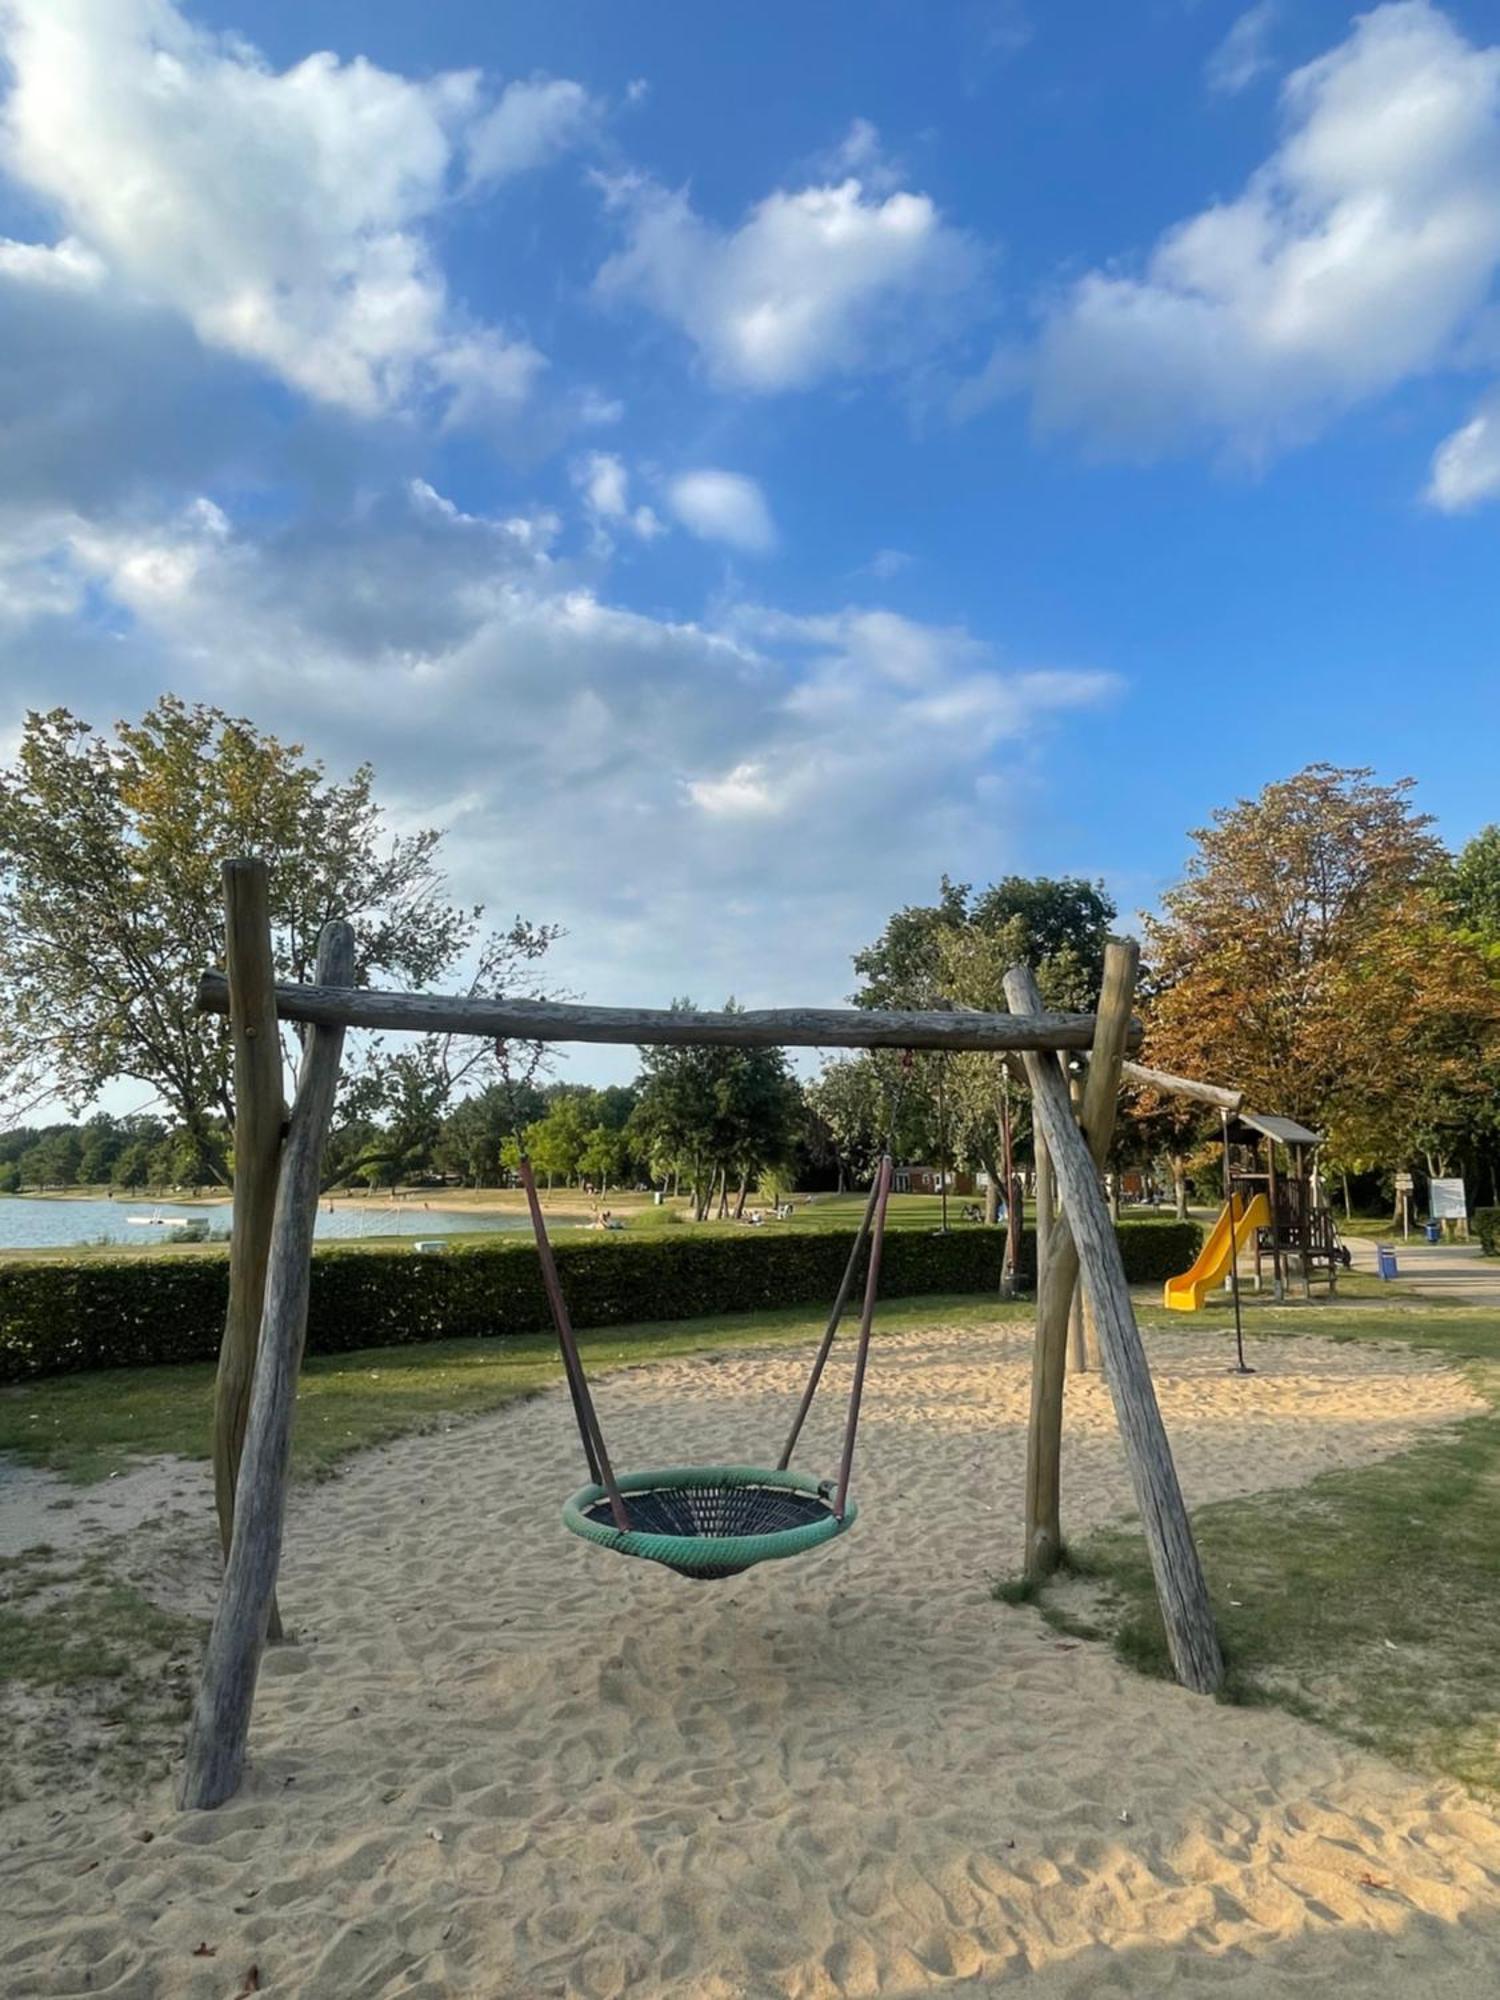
x: 1453, y: 1271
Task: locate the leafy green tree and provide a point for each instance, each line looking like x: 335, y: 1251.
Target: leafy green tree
x: 1058, y: 927
x: 847, y: 1101
x: 1475, y: 890
x: 715, y: 1116
x: 55, y: 1159
x: 133, y: 1168
x: 102, y: 1142
x: 957, y: 951
x: 111, y: 906
x: 474, y: 1133
x: 556, y: 1141
x: 605, y: 1156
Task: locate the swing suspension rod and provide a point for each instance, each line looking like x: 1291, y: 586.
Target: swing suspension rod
x: 871, y: 1234
x: 600, y: 1469
x: 841, y: 1300
x: 867, y: 1321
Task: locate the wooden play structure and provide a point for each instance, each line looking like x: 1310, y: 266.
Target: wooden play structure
x: 277, y: 1165
x: 1271, y: 1207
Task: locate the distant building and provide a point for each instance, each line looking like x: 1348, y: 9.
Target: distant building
x: 911, y: 1179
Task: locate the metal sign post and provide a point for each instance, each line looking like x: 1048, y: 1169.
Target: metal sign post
x: 1240, y: 1365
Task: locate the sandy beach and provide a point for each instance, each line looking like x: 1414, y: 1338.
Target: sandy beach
x: 498, y: 1763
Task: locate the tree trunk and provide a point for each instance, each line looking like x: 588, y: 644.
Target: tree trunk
x: 1179, y: 1186
x: 739, y: 1206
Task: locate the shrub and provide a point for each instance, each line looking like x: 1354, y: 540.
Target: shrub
x: 1487, y: 1229
x: 129, y: 1312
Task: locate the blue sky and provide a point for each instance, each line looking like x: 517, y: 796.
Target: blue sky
x: 731, y: 465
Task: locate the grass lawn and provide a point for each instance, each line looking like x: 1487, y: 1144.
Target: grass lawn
x: 86, y: 1426
x: 1365, y: 1601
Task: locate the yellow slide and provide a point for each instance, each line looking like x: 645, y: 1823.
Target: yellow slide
x: 1211, y: 1267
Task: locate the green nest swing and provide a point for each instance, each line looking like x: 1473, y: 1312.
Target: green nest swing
x: 707, y: 1522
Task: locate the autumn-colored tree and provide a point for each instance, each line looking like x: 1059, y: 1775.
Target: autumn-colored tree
x: 1310, y: 957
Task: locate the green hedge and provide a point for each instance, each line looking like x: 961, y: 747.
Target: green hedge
x: 128, y: 1312
x: 1487, y: 1229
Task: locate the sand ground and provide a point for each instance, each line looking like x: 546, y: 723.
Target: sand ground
x: 499, y: 1763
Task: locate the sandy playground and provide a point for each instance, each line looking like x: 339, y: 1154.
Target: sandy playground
x: 498, y: 1764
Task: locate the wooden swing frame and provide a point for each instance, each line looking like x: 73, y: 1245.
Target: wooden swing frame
x: 278, y: 1160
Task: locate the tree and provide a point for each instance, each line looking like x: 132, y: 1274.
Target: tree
x: 1309, y: 957
x: 54, y: 1160
x: 474, y: 1134
x: 1057, y: 926
x: 133, y: 1168
x: 713, y: 1114
x: 605, y: 1156
x: 111, y: 905
x: 1475, y: 890
x: 957, y: 950
x: 556, y: 1141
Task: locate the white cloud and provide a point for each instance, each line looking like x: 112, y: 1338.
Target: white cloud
x: 722, y: 506
x: 531, y: 124
x: 817, y: 282
x: 69, y: 264
x: 740, y: 794
x: 602, y: 479
x: 284, y: 215
x: 1466, y: 466
x: 1357, y: 256
x: 495, y: 691
x: 1244, y: 54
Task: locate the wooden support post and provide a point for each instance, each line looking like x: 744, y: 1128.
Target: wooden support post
x: 221, y: 1713
x: 1180, y: 1587
x: 255, y: 1038
x: 1045, y: 1200
x: 1078, y: 1354
x: 1055, y: 1288
x: 1278, y: 1254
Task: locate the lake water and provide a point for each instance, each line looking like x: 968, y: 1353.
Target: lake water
x: 30, y: 1222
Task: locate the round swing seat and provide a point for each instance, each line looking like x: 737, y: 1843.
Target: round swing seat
x: 711, y: 1521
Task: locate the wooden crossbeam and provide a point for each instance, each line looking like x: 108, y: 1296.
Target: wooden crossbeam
x: 773, y: 1027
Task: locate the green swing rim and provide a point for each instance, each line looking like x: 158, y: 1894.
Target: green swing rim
x: 707, y: 1551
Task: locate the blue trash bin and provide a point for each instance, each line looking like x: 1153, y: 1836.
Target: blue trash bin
x: 1385, y: 1256
x: 1433, y: 1231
